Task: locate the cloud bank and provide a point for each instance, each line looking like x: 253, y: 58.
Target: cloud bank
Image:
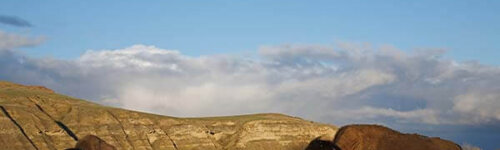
x: 14, y: 21
x: 346, y: 83
x: 11, y: 41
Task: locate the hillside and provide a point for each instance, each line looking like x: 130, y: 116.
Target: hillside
x: 35, y: 117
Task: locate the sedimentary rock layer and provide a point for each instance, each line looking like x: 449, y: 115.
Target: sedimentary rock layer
x: 36, y: 118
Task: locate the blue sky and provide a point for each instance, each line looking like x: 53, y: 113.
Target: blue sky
x: 310, y: 59
x: 469, y: 30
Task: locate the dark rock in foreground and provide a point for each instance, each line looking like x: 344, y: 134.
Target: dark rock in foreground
x: 321, y: 144
x: 375, y: 137
x: 91, y: 142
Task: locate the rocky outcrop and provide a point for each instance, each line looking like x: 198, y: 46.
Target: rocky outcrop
x: 375, y: 137
x: 36, y: 118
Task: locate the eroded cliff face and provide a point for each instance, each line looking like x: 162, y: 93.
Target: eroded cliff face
x: 37, y: 118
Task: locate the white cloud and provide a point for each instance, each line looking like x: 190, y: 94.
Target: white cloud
x: 470, y: 147
x: 478, y: 106
x: 137, y: 57
x: 428, y: 116
x: 349, y: 83
x: 10, y: 41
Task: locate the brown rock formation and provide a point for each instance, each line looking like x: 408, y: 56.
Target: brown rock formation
x: 375, y: 137
x: 36, y: 118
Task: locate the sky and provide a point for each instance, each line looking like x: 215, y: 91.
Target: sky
x: 429, y: 67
